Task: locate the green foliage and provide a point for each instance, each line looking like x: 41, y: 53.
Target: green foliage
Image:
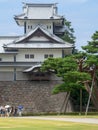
x: 68, y: 64
x: 67, y: 69
x: 73, y: 78
x: 67, y: 87
x: 69, y: 33
x: 92, y: 46
x: 59, y: 65
x: 60, y: 88
x: 79, y: 55
x: 75, y: 98
x: 72, y: 81
x: 76, y: 77
x: 49, y: 64
x: 92, y: 60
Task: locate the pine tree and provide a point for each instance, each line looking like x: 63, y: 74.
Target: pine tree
x: 69, y: 33
x: 92, y: 46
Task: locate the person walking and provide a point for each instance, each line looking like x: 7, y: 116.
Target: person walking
x: 20, y: 109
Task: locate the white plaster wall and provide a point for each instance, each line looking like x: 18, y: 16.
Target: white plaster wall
x: 6, y: 57
x: 40, y: 12
x: 35, y: 38
x: 44, y: 23
x: 38, y: 54
x: 68, y: 51
x: 4, y: 40
x: 6, y: 69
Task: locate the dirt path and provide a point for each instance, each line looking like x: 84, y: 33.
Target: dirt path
x: 80, y: 120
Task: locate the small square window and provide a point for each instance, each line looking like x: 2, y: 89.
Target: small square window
x: 46, y: 56
x: 47, y: 26
x: 28, y: 26
x: 0, y: 59
x: 51, y: 55
x: 32, y: 56
x: 27, y: 56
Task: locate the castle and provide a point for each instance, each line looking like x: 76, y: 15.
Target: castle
x: 21, y: 57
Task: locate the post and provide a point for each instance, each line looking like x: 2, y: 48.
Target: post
x: 80, y: 101
x: 90, y: 94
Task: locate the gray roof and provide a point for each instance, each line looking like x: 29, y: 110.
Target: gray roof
x: 6, y: 40
x: 39, y: 4
x: 37, y: 13
x: 20, y: 42
x: 32, y: 68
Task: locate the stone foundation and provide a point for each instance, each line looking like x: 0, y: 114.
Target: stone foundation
x: 35, y: 96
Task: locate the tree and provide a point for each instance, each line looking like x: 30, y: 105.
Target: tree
x: 69, y: 33
x: 92, y: 66
x: 67, y: 69
x: 77, y: 70
x: 92, y: 46
x: 89, y: 64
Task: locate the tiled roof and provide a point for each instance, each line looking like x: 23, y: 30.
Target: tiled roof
x: 35, y: 11
x: 20, y: 42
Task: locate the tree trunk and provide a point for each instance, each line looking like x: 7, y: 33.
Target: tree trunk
x: 94, y: 94
x: 65, y: 103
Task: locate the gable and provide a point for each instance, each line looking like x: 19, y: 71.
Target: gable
x: 38, y: 36
x: 42, y: 37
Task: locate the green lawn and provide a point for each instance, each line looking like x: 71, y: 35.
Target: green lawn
x: 32, y: 124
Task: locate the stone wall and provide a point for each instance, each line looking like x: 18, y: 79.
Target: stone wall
x: 35, y: 96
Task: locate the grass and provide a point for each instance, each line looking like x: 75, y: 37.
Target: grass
x: 32, y: 124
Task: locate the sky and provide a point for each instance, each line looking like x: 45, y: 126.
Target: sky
x: 83, y: 15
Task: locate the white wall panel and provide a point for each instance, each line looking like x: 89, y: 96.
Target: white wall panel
x: 38, y: 54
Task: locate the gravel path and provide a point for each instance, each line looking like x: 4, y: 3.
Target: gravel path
x: 68, y: 119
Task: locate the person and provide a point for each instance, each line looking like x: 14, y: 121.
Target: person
x: 2, y: 109
x: 20, y: 109
x: 7, y: 110
x: 11, y: 111
x: 15, y: 111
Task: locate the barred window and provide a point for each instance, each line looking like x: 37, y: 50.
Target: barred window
x: 51, y: 55
x: 27, y: 56
x: 32, y: 56
x: 46, y: 56
x: 0, y: 59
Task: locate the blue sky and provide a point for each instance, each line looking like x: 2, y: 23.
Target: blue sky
x: 81, y: 13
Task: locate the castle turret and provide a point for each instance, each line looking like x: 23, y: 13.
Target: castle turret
x: 45, y: 15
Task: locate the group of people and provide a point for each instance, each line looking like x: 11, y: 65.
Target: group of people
x: 6, y: 111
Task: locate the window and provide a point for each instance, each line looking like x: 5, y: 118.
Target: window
x: 27, y: 56
x: 47, y: 26
x: 31, y: 26
x: 0, y: 59
x: 51, y: 55
x: 46, y: 56
x: 32, y: 56
x: 28, y: 26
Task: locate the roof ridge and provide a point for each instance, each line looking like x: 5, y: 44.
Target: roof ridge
x: 44, y: 30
